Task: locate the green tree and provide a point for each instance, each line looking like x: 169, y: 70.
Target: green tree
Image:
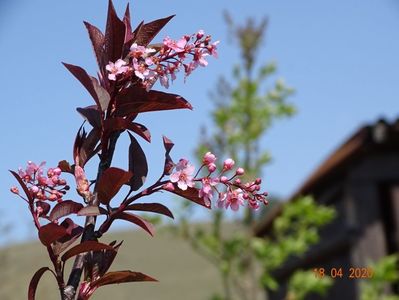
x: 385, y: 271
x: 245, y: 109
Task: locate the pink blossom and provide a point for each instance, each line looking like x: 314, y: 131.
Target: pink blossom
x: 228, y: 164
x: 183, y: 175
x: 140, y: 51
x: 221, y: 203
x: 119, y: 67
x: 199, y: 57
x: 234, y: 199
x: 206, y: 191
x: 212, y: 49
x: 200, y: 34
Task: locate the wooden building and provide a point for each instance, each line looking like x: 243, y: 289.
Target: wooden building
x: 361, y: 180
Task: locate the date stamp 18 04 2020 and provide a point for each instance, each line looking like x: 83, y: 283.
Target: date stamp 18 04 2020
x: 349, y: 273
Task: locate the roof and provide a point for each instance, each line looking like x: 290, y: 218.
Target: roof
x: 364, y: 140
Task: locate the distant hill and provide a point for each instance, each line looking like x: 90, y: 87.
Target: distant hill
x: 183, y: 274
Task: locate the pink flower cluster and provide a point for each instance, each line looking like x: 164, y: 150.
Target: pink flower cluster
x: 162, y: 62
x: 234, y: 193
x: 42, y: 185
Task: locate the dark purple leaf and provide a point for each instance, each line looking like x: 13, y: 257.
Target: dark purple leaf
x: 65, y: 167
x: 148, y: 31
x: 140, y: 130
x: 128, y: 26
x: 102, y: 94
x: 85, y: 145
x: 109, y: 257
x: 97, y: 40
x: 168, y: 165
x: 119, y: 123
x: 51, y: 232
x: 147, y: 226
x: 151, y: 207
x: 110, y: 183
x: 92, y: 210
x: 138, y: 100
x: 63, y: 243
x: 91, y: 114
x: 85, y: 247
x: 137, y: 164
x: 120, y: 277
x: 23, y: 185
x: 114, y: 35
x: 84, y: 79
x: 64, y: 208
x: 168, y: 144
x: 190, y: 194
x: 35, y: 281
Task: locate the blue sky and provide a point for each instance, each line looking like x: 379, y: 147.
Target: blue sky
x: 340, y: 56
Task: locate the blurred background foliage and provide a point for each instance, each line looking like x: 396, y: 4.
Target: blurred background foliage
x: 245, y: 108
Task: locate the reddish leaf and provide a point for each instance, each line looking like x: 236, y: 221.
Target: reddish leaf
x: 63, y: 243
x: 64, y: 208
x: 128, y: 26
x: 147, y: 226
x: 137, y: 164
x: 102, y: 94
x: 140, y: 130
x: 35, y: 281
x: 148, y: 31
x: 151, y: 207
x: 138, y: 100
x: 119, y: 123
x: 97, y: 40
x: 44, y: 206
x: 109, y: 257
x: 114, y: 35
x: 120, y: 277
x: 91, y: 114
x: 85, y: 145
x: 65, y: 167
x: 110, y: 183
x: 51, y: 232
x: 190, y: 194
x: 23, y: 185
x: 69, y: 225
x: 168, y: 144
x: 84, y: 79
x: 92, y: 210
x: 86, y: 247
x: 168, y: 165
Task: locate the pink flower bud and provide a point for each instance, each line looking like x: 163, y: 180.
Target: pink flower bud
x: 14, y: 190
x: 237, y: 181
x: 200, y: 34
x: 228, y: 164
x: 258, y: 181
x: 169, y: 187
x: 240, y: 171
x: 57, y: 171
x: 54, y: 179
x: 209, y: 158
x: 52, y: 197
x: 34, y: 189
x: 224, y: 179
x: 211, y: 168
